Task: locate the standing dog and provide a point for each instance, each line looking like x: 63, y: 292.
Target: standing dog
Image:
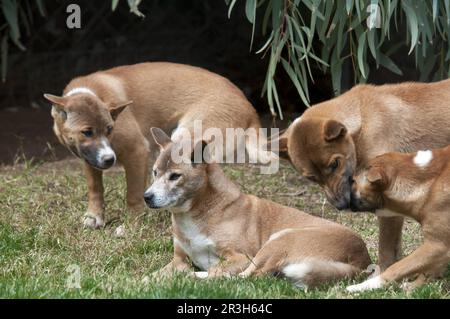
x: 333, y: 139
x: 91, y: 119
x: 414, y: 185
x: 225, y: 232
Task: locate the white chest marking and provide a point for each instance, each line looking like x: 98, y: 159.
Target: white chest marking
x: 423, y: 158
x: 372, y: 283
x: 80, y: 90
x: 199, y: 248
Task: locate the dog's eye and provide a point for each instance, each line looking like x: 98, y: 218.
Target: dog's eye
x: 109, y: 129
x: 334, y: 165
x: 155, y: 172
x: 88, y: 133
x: 174, y: 176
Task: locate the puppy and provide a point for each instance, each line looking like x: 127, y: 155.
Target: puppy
x: 333, y: 139
x: 414, y: 185
x: 93, y: 121
x: 225, y: 232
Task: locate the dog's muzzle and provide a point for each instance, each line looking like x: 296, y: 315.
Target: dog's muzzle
x: 358, y: 204
x: 149, y: 200
x: 102, y: 157
x: 341, y: 199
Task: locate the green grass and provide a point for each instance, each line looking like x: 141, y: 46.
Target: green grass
x: 41, y: 236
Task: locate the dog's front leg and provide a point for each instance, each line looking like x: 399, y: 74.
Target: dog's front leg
x: 136, y: 170
x: 390, y: 241
x: 233, y: 264
x: 431, y: 258
x: 94, y: 217
x: 178, y: 264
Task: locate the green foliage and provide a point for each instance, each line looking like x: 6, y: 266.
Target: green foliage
x: 18, y: 18
x: 325, y: 33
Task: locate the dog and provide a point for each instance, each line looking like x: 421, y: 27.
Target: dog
x: 106, y: 117
x: 414, y: 185
x: 227, y: 233
x: 333, y: 139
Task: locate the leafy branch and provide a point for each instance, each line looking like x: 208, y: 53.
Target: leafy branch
x: 309, y: 35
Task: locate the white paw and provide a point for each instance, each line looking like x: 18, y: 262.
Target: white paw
x: 93, y: 221
x: 372, y: 283
x: 120, y: 232
x: 201, y: 274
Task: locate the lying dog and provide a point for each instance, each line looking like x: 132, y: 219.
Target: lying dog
x: 415, y: 185
x: 333, y: 139
x: 227, y: 233
x: 92, y: 121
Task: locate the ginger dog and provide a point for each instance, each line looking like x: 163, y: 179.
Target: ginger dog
x: 93, y: 121
x: 225, y: 232
x: 333, y: 139
x: 415, y: 185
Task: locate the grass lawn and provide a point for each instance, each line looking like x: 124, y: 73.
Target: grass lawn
x: 42, y: 238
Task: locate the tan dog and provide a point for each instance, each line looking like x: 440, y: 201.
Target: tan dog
x: 415, y: 185
x: 90, y: 119
x: 225, y: 232
x: 333, y: 139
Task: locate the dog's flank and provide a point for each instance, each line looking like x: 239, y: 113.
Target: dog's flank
x: 413, y: 185
x: 227, y: 233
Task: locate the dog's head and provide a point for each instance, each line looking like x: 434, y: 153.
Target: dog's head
x: 179, y: 173
x: 369, y: 186
x: 84, y: 124
x: 324, y: 152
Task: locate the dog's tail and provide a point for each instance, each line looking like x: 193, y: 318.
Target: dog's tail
x: 313, y: 271
x: 256, y: 146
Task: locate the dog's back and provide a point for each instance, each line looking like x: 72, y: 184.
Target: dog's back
x: 171, y: 91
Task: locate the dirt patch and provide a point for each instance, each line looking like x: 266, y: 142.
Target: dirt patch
x: 27, y: 133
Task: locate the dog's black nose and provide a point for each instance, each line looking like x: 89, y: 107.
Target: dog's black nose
x: 108, y: 160
x: 149, y: 199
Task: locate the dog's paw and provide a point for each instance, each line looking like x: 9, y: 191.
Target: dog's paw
x: 93, y: 221
x: 201, y: 274
x: 409, y: 286
x: 372, y: 283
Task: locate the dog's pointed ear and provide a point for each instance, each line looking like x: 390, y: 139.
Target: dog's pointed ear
x: 59, y: 101
x: 115, y: 110
x: 198, y: 154
x: 332, y: 130
x: 59, y: 106
x: 376, y: 176
x: 160, y: 137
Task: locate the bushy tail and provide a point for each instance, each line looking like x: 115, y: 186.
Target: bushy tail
x: 257, y: 148
x: 315, y: 271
